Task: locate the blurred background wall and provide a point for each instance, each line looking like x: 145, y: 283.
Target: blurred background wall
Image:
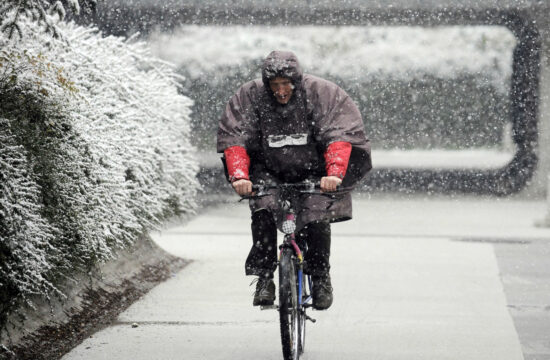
x: 454, y: 94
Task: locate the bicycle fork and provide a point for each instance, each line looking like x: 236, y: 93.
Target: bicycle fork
x: 290, y: 239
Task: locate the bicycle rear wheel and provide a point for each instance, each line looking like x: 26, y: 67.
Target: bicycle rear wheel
x: 288, y: 307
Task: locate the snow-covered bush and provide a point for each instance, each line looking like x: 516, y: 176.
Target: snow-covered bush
x: 94, y: 151
x: 440, y: 87
x: 44, y: 13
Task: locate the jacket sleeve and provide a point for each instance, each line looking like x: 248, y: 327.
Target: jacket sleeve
x: 238, y: 163
x: 337, y: 158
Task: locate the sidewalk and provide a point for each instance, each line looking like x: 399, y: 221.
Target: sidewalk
x: 414, y: 279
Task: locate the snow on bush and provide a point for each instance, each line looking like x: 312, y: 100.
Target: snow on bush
x: 44, y: 13
x: 94, y: 151
x: 417, y: 88
x: 351, y: 52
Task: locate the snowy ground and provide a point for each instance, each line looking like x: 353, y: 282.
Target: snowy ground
x: 443, y: 159
x: 414, y: 278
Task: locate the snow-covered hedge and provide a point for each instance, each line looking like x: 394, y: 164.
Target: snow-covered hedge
x: 94, y: 151
x: 350, y: 52
x: 440, y: 87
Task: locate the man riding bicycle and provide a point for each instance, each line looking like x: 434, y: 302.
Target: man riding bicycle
x: 290, y: 127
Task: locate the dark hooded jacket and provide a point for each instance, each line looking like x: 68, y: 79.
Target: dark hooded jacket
x: 286, y: 143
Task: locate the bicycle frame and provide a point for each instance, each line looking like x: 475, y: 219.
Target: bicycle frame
x: 291, y: 240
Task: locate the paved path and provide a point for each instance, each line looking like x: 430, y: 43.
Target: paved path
x: 414, y: 279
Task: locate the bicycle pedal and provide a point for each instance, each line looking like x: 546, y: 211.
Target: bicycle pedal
x: 311, y: 319
x: 269, y: 307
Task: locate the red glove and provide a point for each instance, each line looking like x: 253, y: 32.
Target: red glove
x: 337, y: 158
x: 238, y: 162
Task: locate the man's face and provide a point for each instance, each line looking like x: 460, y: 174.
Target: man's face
x: 282, y: 89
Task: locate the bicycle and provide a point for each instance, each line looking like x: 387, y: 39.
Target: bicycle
x: 292, y: 281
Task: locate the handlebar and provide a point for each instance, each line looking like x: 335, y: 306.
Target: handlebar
x: 305, y: 187
x: 302, y: 186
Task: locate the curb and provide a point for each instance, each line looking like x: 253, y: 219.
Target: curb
x: 94, y: 301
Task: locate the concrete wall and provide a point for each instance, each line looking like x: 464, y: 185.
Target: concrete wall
x: 539, y: 184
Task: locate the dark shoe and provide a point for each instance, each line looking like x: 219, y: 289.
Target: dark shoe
x: 321, y: 292
x: 265, y: 292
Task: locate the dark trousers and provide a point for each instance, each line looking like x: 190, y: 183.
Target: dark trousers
x: 262, y: 259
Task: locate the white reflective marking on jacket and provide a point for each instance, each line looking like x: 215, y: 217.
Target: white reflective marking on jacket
x: 277, y: 141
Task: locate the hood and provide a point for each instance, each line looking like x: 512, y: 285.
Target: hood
x: 281, y: 64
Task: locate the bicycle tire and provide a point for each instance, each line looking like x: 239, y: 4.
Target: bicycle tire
x: 288, y: 307
x: 302, y: 318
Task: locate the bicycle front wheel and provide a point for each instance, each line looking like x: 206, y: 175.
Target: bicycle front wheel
x: 302, y: 317
x: 288, y: 307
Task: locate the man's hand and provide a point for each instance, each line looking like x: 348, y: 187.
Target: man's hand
x: 329, y: 183
x: 242, y: 186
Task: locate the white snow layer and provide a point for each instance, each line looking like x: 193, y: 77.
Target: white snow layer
x: 114, y: 145
x: 351, y: 52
